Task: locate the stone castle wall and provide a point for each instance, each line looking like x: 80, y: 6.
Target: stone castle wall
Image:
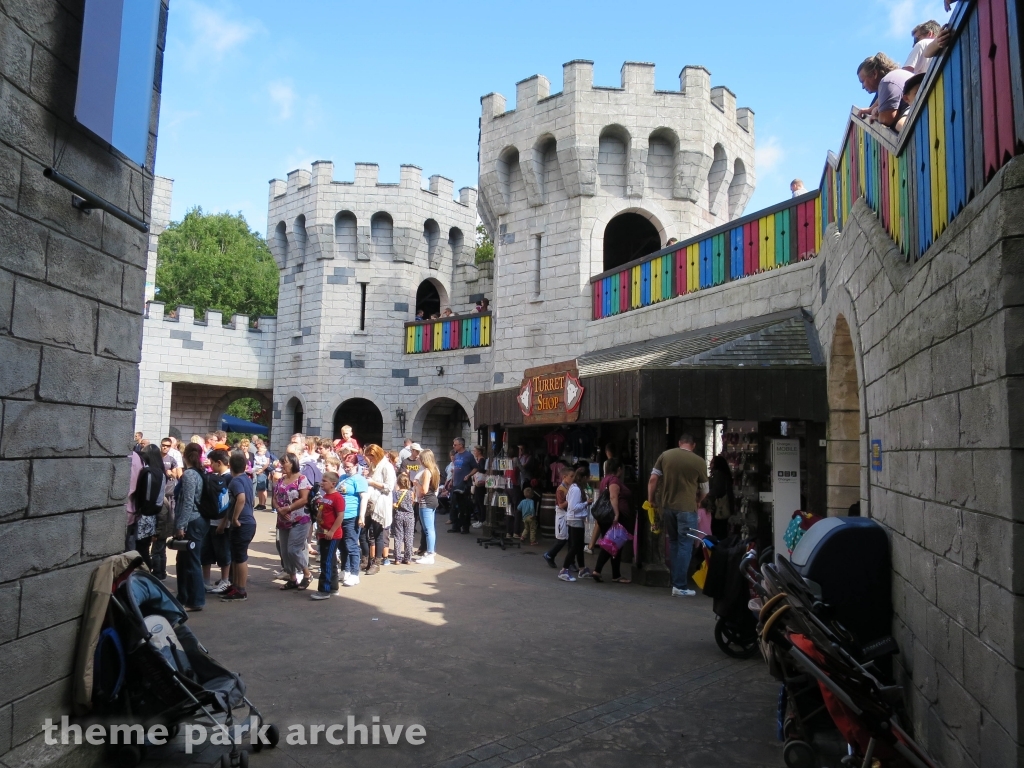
x: 558, y: 168
x: 72, y: 289
x: 939, y: 379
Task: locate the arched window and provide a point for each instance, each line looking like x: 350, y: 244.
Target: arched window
x: 627, y: 237
x: 549, y: 175
x: 345, y: 234
x: 293, y: 415
x: 431, y: 237
x: 455, y: 242
x: 510, y: 177
x: 613, y: 147
x: 431, y: 298
x: 716, y: 177
x: 382, y: 229
x: 300, y: 238
x: 661, y: 161
x: 281, y: 242
x: 738, y: 190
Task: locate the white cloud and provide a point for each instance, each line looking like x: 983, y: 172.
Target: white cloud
x: 214, y: 32
x: 904, y: 15
x: 283, y: 96
x: 768, y: 154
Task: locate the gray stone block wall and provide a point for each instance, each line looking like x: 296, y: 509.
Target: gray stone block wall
x: 71, y: 299
x: 939, y: 362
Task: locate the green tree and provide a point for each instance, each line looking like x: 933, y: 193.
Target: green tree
x: 249, y: 408
x: 484, y: 246
x: 214, y: 261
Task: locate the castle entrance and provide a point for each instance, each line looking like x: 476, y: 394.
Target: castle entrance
x: 438, y: 423
x: 365, y: 419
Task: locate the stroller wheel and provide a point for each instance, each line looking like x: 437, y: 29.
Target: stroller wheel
x: 799, y: 754
x: 127, y: 756
x: 225, y: 761
x: 243, y: 759
x: 273, y: 735
x: 734, y: 641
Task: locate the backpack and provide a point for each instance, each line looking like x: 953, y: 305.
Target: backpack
x: 149, y: 490
x: 214, y: 499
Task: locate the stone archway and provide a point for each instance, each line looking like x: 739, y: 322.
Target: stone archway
x: 844, y: 422
x: 438, y: 422
x: 220, y: 407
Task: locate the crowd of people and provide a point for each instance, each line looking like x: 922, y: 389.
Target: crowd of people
x: 354, y: 509
x: 334, y: 501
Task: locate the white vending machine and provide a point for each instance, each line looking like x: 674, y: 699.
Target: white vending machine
x: 785, y: 487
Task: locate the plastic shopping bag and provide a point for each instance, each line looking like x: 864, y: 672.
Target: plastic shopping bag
x: 700, y: 576
x: 614, y: 539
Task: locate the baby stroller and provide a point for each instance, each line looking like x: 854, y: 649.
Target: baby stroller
x: 826, y: 671
x: 149, y: 668
x: 736, y: 628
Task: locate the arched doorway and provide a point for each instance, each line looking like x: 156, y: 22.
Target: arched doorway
x: 365, y: 419
x: 843, y: 452
x: 431, y: 298
x: 438, y: 423
x: 627, y: 237
x: 294, y: 416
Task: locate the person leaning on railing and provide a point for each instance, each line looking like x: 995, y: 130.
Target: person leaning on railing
x: 910, y: 89
x: 883, y: 77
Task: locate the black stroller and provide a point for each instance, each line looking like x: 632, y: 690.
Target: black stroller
x: 151, y: 669
x: 736, y: 628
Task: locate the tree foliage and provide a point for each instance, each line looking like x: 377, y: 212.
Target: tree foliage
x: 250, y: 409
x: 484, y: 246
x: 214, y: 261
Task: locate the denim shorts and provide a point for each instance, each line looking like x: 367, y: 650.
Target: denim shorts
x: 240, y: 538
x: 216, y: 548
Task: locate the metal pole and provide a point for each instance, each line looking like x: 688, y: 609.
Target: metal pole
x: 90, y: 200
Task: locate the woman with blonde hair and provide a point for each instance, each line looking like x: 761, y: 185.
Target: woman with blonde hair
x: 381, y: 505
x: 426, y: 483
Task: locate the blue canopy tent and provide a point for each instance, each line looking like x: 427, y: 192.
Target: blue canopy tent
x: 233, y: 424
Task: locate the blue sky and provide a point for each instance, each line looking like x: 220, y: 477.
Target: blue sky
x: 254, y: 89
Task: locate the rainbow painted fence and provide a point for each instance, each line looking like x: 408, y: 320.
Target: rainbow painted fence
x: 457, y: 332
x: 966, y: 123
x: 775, y: 237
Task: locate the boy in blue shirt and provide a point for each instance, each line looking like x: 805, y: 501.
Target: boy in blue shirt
x: 528, y: 508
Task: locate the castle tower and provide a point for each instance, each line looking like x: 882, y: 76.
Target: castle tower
x: 577, y: 182
x: 355, y: 258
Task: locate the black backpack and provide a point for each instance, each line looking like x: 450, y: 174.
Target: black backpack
x: 215, y: 499
x: 148, y: 494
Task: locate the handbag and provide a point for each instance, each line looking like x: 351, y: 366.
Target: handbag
x: 602, y: 509
x: 614, y: 538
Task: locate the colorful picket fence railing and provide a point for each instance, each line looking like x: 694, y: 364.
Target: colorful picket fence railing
x: 775, y: 237
x: 967, y: 122
x: 458, y: 332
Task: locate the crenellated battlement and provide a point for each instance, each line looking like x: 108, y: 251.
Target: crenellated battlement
x: 213, y: 319
x: 636, y: 78
x: 368, y: 175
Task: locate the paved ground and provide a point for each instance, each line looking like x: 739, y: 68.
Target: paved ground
x: 500, y: 662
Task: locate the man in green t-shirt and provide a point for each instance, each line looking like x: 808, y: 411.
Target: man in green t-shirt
x: 678, y: 483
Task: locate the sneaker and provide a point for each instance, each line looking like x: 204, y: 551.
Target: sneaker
x: 550, y: 560
x: 220, y: 587
x: 386, y: 561
x: 260, y: 507
x: 584, y: 573
x: 588, y: 549
x: 353, y: 580
x: 454, y: 530
x: 320, y: 596
x: 234, y: 594
x: 682, y: 592
x: 564, y: 575
x: 280, y: 575
x: 477, y: 524
x: 426, y: 560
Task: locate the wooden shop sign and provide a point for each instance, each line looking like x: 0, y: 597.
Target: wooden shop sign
x: 551, y: 394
